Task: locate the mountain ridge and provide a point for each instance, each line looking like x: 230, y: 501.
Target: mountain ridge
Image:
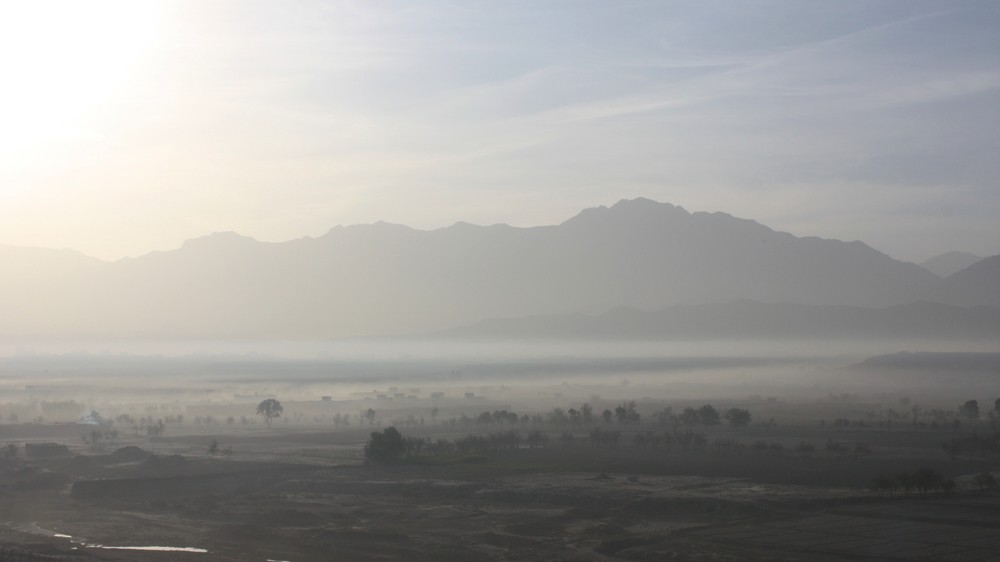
x: 949, y: 263
x: 978, y: 283
x: 384, y: 279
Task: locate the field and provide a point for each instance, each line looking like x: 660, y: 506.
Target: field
x: 210, y: 480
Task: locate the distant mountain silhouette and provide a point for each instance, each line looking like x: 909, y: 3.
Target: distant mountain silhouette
x: 751, y: 320
x: 950, y: 262
x: 35, y: 286
x: 390, y: 279
x: 21, y: 264
x: 978, y: 284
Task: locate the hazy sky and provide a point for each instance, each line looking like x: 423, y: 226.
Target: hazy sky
x: 131, y: 126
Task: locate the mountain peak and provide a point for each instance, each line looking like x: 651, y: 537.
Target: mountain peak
x: 978, y: 284
x: 951, y: 262
x: 630, y: 210
x: 642, y: 203
x: 985, y: 267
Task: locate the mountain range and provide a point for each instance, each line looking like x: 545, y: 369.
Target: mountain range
x: 383, y: 279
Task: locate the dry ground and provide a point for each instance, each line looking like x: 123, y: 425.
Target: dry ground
x: 303, y: 495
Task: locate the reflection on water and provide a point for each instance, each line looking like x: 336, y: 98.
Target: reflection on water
x: 157, y: 548
x: 35, y: 529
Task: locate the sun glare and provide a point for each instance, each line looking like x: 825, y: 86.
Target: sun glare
x: 60, y: 59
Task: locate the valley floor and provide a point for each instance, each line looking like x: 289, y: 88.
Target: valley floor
x: 306, y: 495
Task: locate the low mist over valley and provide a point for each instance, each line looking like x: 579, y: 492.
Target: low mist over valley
x: 532, y: 388
x: 647, y: 348
x: 495, y: 281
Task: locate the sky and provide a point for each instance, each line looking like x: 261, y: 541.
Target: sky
x: 132, y: 125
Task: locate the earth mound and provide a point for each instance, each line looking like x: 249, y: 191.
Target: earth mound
x: 130, y: 453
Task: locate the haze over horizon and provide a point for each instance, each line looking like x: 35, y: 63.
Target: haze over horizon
x: 963, y: 258
x: 395, y: 280
x: 131, y: 126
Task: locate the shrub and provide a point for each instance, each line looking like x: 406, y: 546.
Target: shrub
x: 386, y: 446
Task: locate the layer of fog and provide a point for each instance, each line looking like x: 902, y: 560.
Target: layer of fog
x: 409, y: 375
x: 407, y: 349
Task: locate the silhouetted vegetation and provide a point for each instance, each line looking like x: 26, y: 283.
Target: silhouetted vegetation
x: 269, y: 409
x: 974, y: 445
x: 970, y: 409
x: 738, y: 417
x: 921, y: 481
x: 385, y: 446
